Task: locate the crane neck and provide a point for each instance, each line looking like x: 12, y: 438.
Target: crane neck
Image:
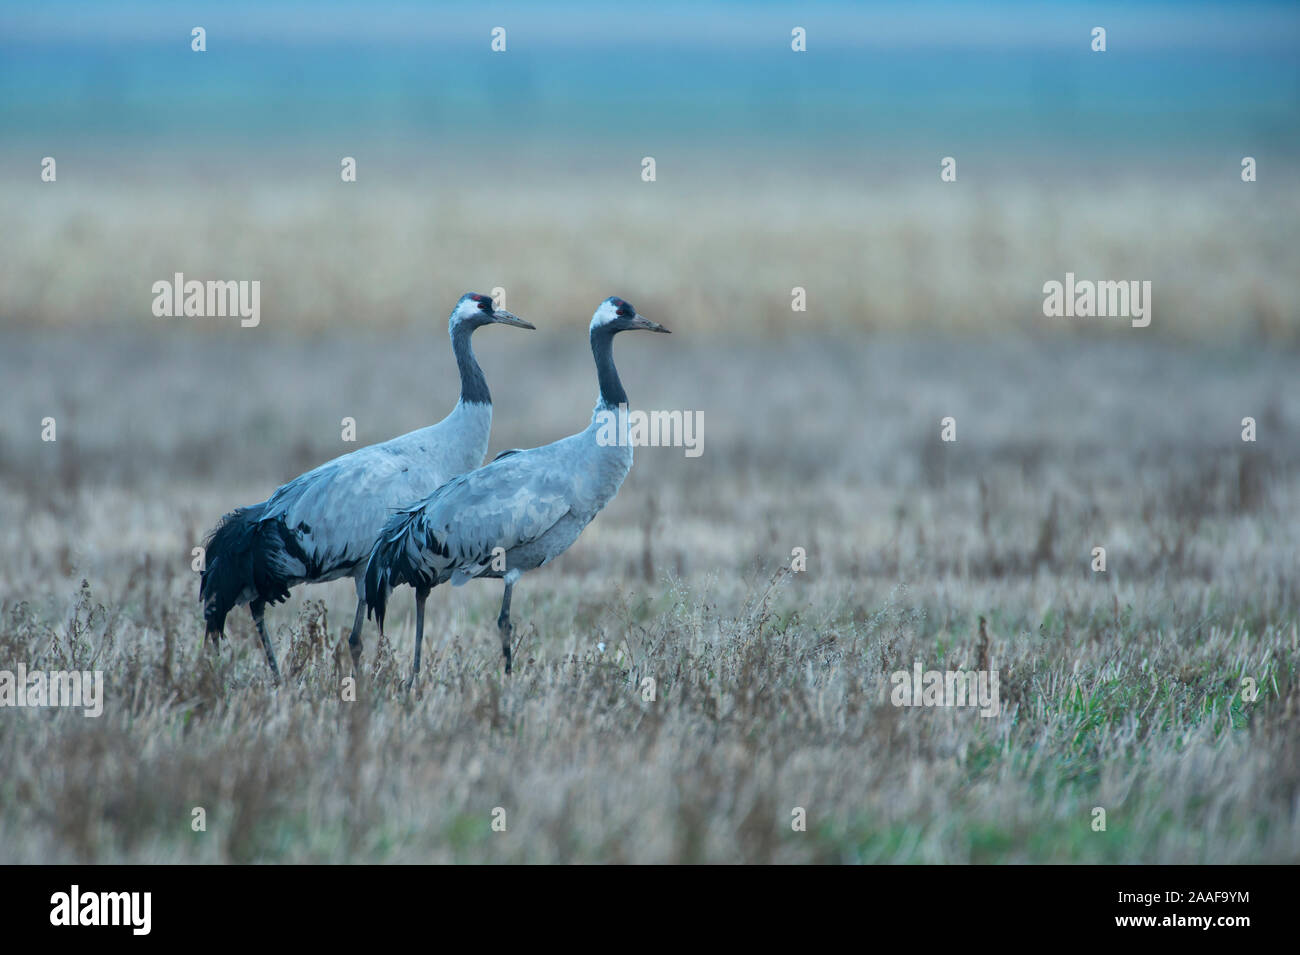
x: 602, y: 349
x: 473, y: 386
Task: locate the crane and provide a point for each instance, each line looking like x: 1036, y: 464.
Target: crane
x: 520, y: 511
x: 323, y: 524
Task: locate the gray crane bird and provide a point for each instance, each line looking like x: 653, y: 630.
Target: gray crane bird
x: 322, y: 525
x: 517, y: 513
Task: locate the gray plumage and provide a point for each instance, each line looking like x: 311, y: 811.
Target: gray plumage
x: 517, y: 513
x: 322, y: 525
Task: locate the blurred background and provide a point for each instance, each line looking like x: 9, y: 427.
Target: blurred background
x: 821, y: 170
x: 774, y: 169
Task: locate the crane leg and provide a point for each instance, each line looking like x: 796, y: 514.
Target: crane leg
x: 421, y: 595
x: 258, y: 610
x: 354, y: 638
x: 503, y: 623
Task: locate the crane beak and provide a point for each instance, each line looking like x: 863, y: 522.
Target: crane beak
x: 503, y: 317
x: 649, y: 326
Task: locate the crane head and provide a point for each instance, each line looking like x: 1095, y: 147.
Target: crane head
x: 474, y: 310
x: 617, y: 315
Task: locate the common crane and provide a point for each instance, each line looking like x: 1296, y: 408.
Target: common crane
x: 518, y: 512
x: 322, y: 525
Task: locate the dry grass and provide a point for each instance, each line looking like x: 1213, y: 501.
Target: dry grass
x: 1120, y: 691
x: 721, y: 240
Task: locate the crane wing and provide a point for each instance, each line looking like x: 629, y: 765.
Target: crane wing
x: 330, y: 516
x: 456, y: 531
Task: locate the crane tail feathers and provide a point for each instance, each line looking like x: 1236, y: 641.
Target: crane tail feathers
x: 378, y: 586
x: 241, y: 563
x: 390, y: 566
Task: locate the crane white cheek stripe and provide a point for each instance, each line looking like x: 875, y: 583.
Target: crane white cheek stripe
x: 651, y: 429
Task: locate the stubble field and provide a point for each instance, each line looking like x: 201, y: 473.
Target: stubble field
x: 1121, y: 690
